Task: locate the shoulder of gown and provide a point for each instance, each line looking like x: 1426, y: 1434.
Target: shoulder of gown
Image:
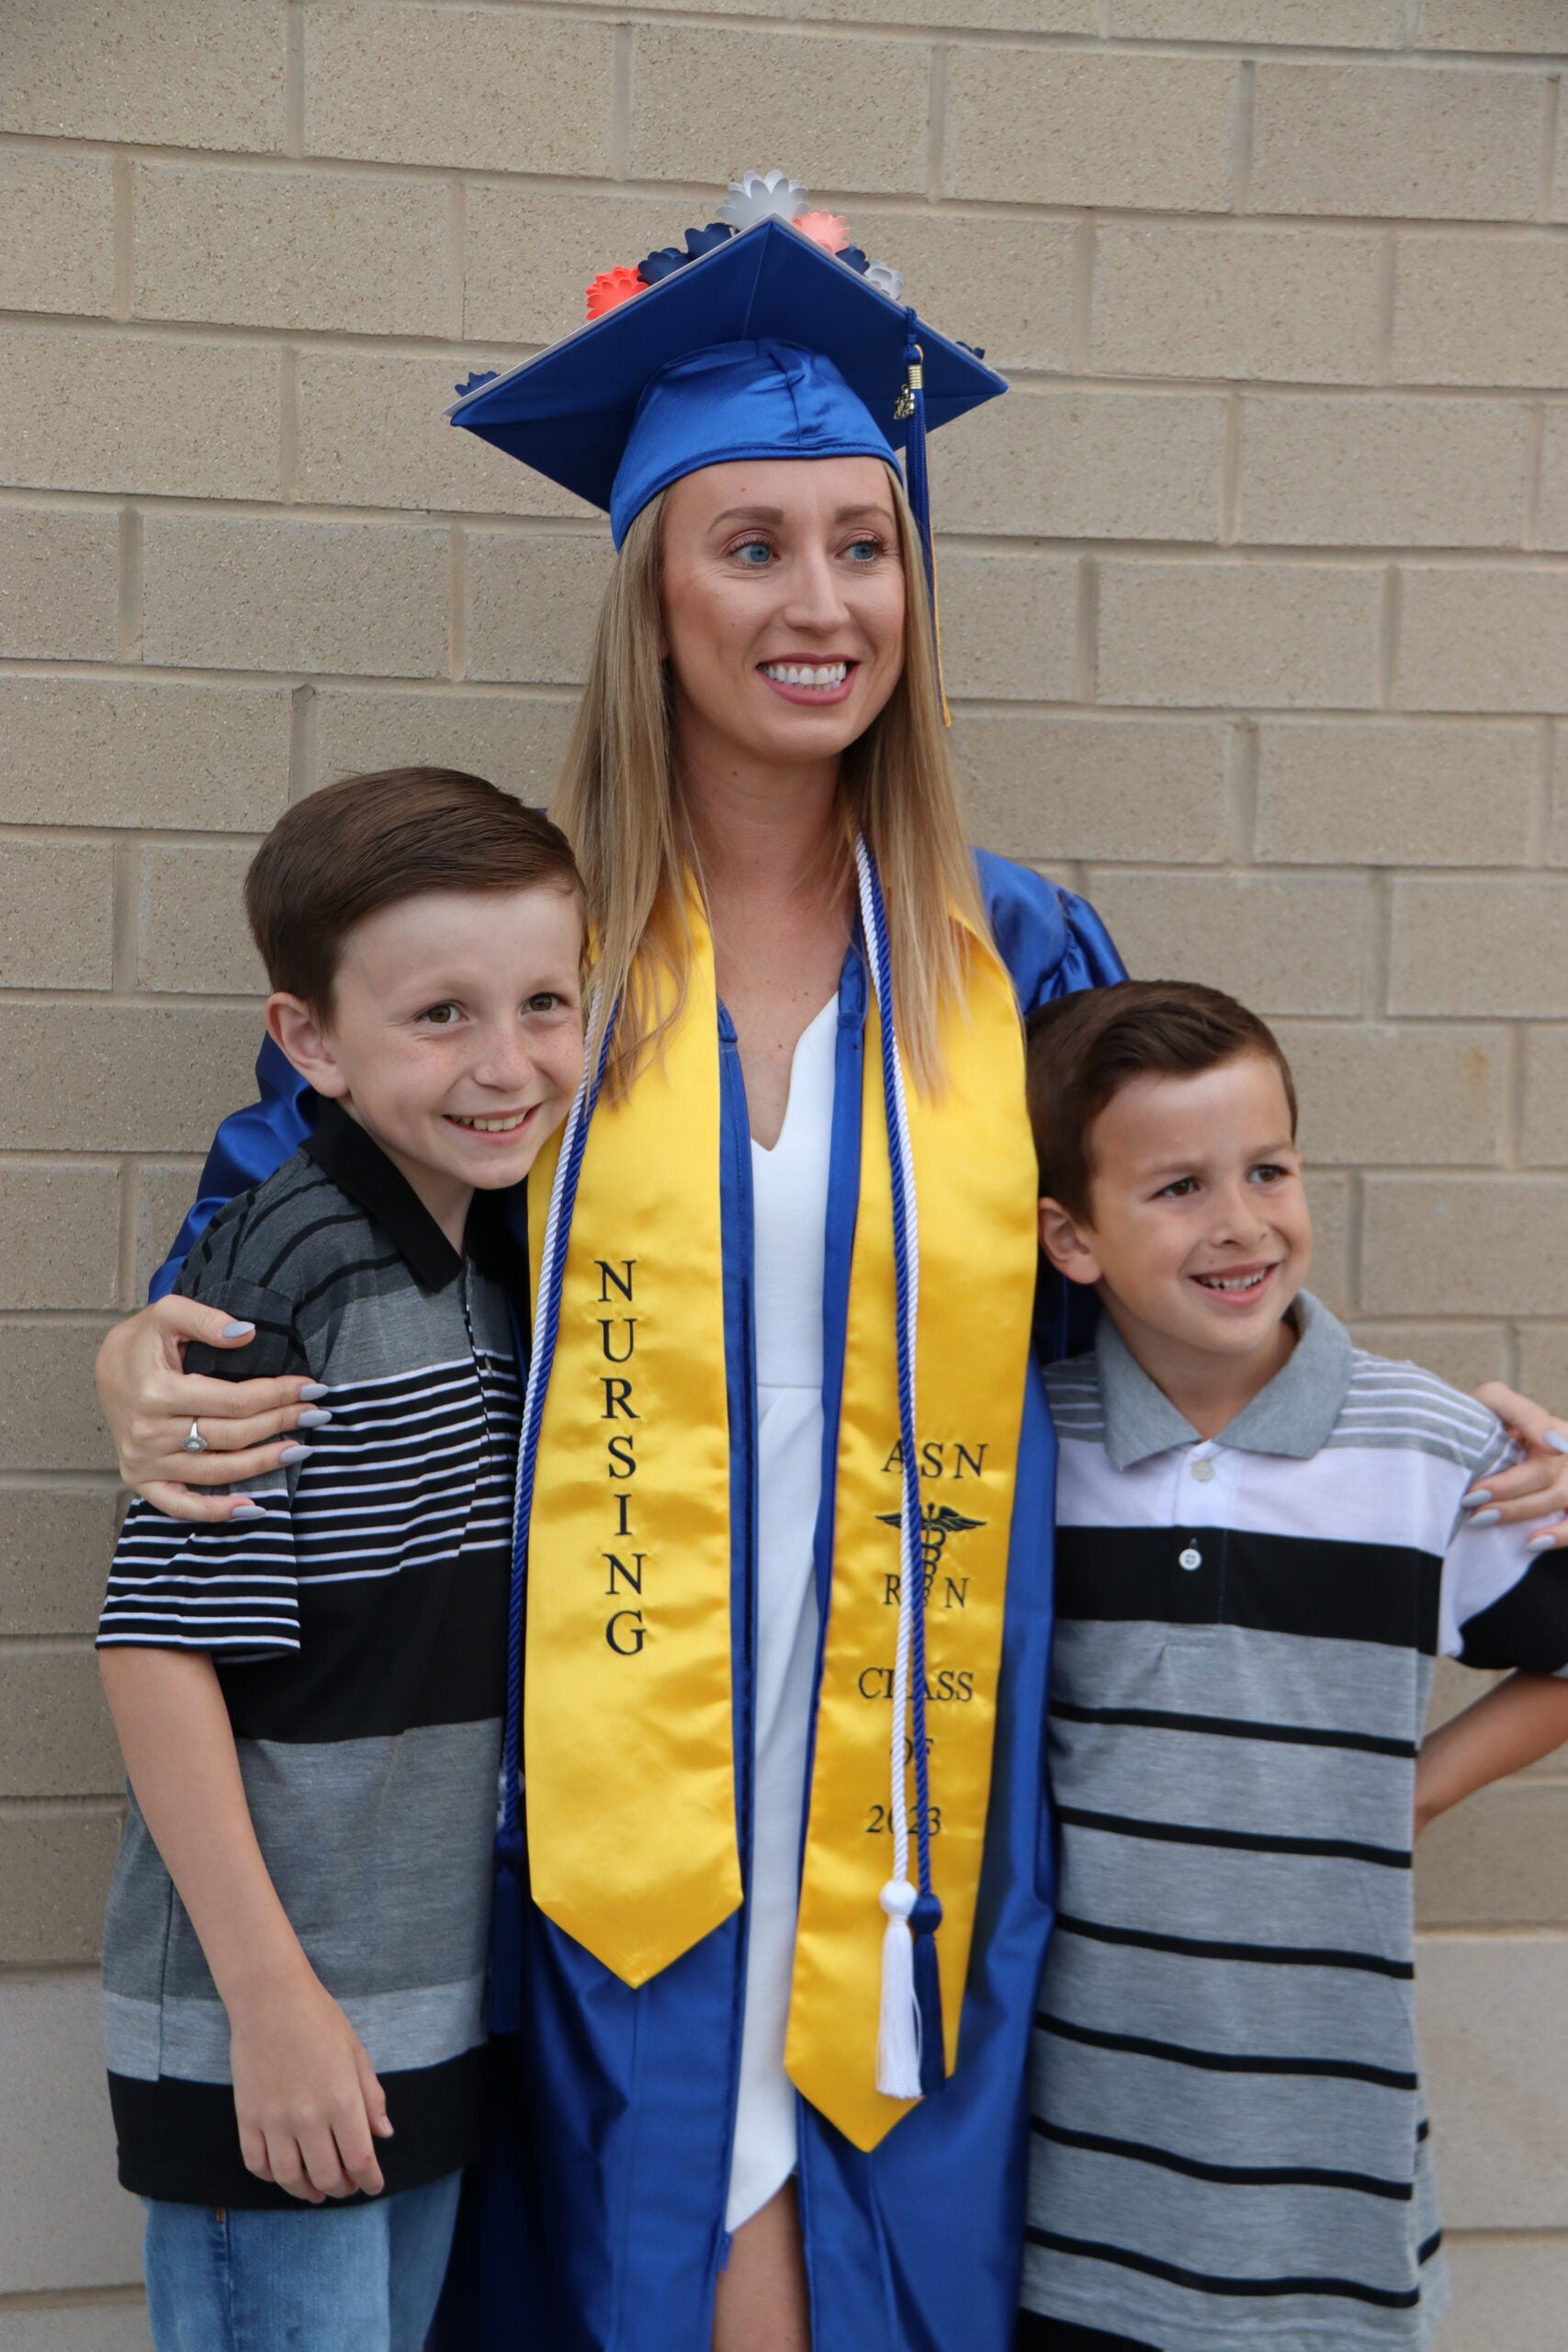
x: 1050, y: 939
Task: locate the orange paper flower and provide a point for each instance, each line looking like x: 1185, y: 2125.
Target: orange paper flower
x: 611, y: 289
x: 828, y: 230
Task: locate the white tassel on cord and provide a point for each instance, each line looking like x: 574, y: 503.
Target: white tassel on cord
x: 898, y: 2028
x: 898, y: 2024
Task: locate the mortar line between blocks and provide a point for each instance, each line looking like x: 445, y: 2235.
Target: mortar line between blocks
x: 1086, y: 632
x: 1541, y: 807
x: 1241, y: 137
x: 1551, y: 111
x: 125, y: 1255
x: 1241, y: 763
x: 130, y: 614
x: 1512, y: 1140
x: 289, y: 487
x: 1387, y: 295
x: 123, y: 299
x: 78, y: 2298
x: 1390, y: 601
x: 125, y: 952
x: 1379, y: 943
x: 1535, y: 451
x: 1229, y: 530
x: 453, y: 290
x: 1080, y: 325
x: 457, y: 610
x: 301, y: 740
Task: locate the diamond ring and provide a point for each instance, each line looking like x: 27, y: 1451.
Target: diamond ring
x: 195, y: 1444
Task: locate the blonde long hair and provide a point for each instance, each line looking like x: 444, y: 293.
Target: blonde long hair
x: 618, y: 800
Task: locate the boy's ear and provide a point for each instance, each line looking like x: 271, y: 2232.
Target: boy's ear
x: 291, y: 1024
x: 1068, y: 1243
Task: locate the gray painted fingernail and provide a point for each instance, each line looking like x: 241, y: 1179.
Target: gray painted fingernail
x: 236, y: 1330
x: 247, y: 1510
x: 314, y: 1388
x: 1557, y: 1442
x: 1486, y: 1518
x: 1539, y: 1543
x: 294, y: 1454
x: 314, y: 1420
x: 1480, y: 1495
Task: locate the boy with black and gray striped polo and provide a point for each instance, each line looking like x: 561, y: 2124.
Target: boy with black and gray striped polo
x: 309, y: 1683
x: 1264, y: 1544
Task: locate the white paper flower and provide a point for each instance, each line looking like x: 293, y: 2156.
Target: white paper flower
x: 885, y: 279
x: 762, y: 196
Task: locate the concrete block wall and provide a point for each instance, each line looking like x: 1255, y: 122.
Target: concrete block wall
x: 1256, y: 591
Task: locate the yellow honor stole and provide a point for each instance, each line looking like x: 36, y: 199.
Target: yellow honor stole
x: 628, y: 1727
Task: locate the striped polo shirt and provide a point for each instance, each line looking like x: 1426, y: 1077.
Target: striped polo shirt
x: 359, y: 1631
x: 1229, y: 2142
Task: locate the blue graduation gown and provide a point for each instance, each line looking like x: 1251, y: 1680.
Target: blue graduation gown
x: 596, y: 2222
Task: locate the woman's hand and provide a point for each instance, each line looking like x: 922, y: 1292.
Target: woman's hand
x: 1536, y: 1488
x: 150, y: 1402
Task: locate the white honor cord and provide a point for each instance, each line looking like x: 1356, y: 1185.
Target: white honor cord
x: 898, y: 2038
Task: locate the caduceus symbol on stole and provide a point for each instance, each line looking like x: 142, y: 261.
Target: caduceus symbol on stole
x: 938, y: 1521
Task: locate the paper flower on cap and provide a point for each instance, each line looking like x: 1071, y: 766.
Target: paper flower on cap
x: 703, y: 241
x: 762, y: 196
x: 663, y: 264
x: 828, y: 230
x: 611, y: 289
x: 479, y: 375
x: 885, y: 280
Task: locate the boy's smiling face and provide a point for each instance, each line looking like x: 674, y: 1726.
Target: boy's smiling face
x: 1197, y: 1232
x: 454, y: 1035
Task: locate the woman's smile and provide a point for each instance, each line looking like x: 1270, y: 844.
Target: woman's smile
x: 804, y: 680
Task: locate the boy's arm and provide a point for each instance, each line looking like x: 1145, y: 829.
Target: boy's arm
x: 1503, y: 1603
x: 309, y: 2104
x: 1514, y: 1724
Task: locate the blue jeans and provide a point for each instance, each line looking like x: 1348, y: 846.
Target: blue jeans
x: 314, y: 2279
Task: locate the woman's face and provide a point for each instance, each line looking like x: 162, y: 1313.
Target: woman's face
x: 782, y: 606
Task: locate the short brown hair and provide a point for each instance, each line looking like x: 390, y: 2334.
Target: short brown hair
x: 1084, y: 1048
x: 369, y: 841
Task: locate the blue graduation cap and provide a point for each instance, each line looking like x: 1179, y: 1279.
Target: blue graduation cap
x: 768, y: 336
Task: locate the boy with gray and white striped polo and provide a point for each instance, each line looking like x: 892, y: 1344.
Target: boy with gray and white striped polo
x: 309, y: 1681
x: 1264, y: 1544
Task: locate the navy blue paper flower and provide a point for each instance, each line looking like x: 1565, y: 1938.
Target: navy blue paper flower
x: 663, y: 264
x: 480, y: 375
x: 707, y: 241
x: 854, y: 257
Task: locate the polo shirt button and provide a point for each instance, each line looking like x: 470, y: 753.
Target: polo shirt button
x: 1190, y: 1558
x: 1202, y: 1470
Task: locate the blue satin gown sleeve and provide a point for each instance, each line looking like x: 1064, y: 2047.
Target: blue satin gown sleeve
x: 247, y: 1149
x: 1054, y: 943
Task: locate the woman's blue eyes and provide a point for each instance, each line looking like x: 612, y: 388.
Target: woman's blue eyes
x: 755, y: 555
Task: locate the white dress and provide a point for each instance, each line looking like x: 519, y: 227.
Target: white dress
x: 789, y: 1193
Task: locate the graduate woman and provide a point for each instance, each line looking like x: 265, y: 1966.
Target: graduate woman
x: 774, y: 1874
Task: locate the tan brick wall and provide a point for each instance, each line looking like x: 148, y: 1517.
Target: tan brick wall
x: 1256, y: 591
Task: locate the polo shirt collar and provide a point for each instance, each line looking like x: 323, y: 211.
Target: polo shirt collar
x: 356, y: 1164
x: 1294, y: 1415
